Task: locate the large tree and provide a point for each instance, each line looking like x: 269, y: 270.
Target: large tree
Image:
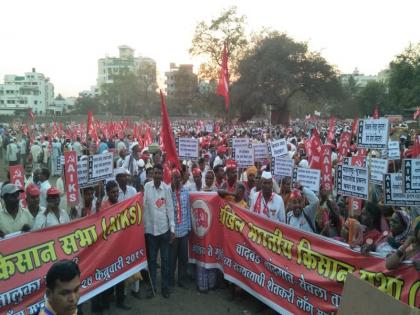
x: 404, y: 78
x: 210, y: 37
x: 275, y: 70
x: 372, y: 95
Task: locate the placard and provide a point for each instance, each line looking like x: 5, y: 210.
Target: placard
x: 411, y: 178
x: 373, y: 133
x: 240, y: 142
x: 352, y: 181
x: 101, y: 166
x: 72, y: 189
x: 359, y: 161
x: 260, y: 151
x: 309, y: 178
x: 282, y: 166
x: 59, y: 164
x: 82, y: 171
x: 378, y: 167
x: 394, y: 195
x: 208, y: 127
x: 244, y: 156
x: 187, y: 148
x: 278, y: 148
x: 394, y: 152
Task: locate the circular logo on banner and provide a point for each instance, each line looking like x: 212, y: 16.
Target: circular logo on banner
x: 201, y: 217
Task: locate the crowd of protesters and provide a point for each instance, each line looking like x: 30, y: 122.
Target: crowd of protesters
x: 140, y: 167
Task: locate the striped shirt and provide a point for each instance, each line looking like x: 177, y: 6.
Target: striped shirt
x: 182, y: 229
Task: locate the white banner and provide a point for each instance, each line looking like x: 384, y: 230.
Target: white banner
x: 240, y: 143
x: 373, y: 133
x: 352, y: 181
x: 378, y: 167
x: 244, y: 156
x: 83, y: 171
x: 282, y: 166
x: 208, y: 127
x: 308, y: 177
x: 394, y: 195
x: 278, y: 148
x: 260, y: 151
x: 59, y: 164
x: 187, y: 148
x: 394, y: 150
x: 101, y: 166
x: 411, y: 178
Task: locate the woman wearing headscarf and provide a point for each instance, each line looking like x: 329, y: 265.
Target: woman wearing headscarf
x: 410, y: 250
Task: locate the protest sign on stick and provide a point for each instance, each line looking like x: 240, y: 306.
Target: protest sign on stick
x: 352, y: 181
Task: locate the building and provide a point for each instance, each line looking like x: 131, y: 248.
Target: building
x: 21, y: 93
x: 181, y: 80
x: 62, y: 105
x: 360, y: 80
x: 126, y: 61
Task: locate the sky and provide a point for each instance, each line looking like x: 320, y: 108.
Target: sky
x: 64, y: 39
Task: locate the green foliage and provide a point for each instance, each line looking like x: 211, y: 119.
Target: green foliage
x: 372, y: 95
x: 404, y: 78
x: 85, y: 104
x: 209, y: 39
x: 277, y: 69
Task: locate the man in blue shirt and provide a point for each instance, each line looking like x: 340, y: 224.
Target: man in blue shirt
x: 182, y: 215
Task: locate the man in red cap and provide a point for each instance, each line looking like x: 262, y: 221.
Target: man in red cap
x: 32, y: 200
x: 198, y: 180
x: 52, y: 215
x: 299, y: 216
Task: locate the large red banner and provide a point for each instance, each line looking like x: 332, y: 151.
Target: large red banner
x: 292, y: 271
x: 94, y: 242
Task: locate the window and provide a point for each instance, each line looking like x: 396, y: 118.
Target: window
x: 35, y: 102
x: 10, y: 101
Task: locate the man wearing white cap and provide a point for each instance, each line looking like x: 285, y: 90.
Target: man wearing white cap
x: 125, y: 191
x: 267, y: 203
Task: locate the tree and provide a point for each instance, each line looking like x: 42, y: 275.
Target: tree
x: 85, y: 104
x: 209, y: 39
x: 404, y: 78
x: 277, y: 69
x: 372, y: 95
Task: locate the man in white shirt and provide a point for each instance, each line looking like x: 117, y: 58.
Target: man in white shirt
x: 13, y: 152
x: 266, y: 202
x: 77, y: 146
x: 52, y: 215
x: 45, y: 185
x: 299, y: 216
x: 159, y: 227
x: 125, y: 191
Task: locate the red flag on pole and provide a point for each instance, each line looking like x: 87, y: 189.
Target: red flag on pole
x: 223, y: 86
x: 417, y: 113
x: 166, y: 136
x: 91, y: 128
x: 355, y: 126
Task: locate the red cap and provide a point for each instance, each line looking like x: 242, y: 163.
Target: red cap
x: 53, y: 192
x: 221, y: 149
x: 196, y: 171
x: 231, y: 164
x: 295, y: 194
x: 33, y: 190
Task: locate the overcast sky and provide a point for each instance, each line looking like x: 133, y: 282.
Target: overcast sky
x: 64, y: 39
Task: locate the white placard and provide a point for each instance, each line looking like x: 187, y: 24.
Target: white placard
x: 101, y: 166
x: 411, y: 178
x: 394, y: 150
x: 278, y: 148
x: 208, y: 127
x: 59, y: 164
x: 282, y: 166
x: 378, y: 167
x: 308, y: 177
x: 240, y: 143
x: 244, y: 156
x: 394, y: 194
x: 83, y: 171
x: 187, y: 148
x: 373, y: 133
x: 260, y: 151
x: 352, y: 181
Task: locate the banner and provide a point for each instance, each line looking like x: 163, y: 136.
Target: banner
x: 101, y: 166
x: 394, y: 195
x: 291, y: 271
x: 373, y: 133
x: 308, y: 178
x: 187, y: 147
x: 326, y: 170
x: 243, y: 155
x: 352, y: 181
x: 411, y: 178
x: 72, y: 188
x: 26, y: 258
x: 378, y: 167
x: 17, y: 178
x: 240, y: 143
x: 278, y: 148
x: 282, y: 166
x: 344, y: 145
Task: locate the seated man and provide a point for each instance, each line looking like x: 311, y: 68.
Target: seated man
x: 62, y: 293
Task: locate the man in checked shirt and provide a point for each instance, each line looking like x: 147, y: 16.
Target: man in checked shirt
x: 182, y: 214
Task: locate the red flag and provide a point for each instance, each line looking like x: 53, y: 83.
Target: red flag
x: 416, y: 148
x: 417, y: 113
x: 315, y: 160
x: 31, y: 115
x: 223, y: 86
x: 376, y: 113
x: 91, y: 128
x: 166, y: 136
x: 355, y: 126
x: 331, y: 130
